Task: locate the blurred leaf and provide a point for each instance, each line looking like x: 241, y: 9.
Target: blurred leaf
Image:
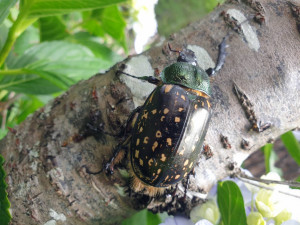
x: 26, y: 40
x: 298, y: 180
x: 4, y: 203
x: 3, y: 133
x: 59, y: 62
x: 52, y: 28
x: 143, y: 217
x: 114, y: 24
x: 231, y: 203
x: 106, y: 21
x: 42, y: 8
x: 292, y: 145
x: 267, y: 149
x: 94, y: 27
x: 28, y: 84
x: 172, y: 17
x: 24, y: 106
x: 3, y: 36
x: 99, y: 50
x: 5, y: 5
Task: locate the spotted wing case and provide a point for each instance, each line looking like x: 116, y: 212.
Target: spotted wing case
x: 176, y: 121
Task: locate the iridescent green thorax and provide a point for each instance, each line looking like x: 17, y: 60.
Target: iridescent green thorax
x: 187, y: 75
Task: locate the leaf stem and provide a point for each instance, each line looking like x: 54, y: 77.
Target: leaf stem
x: 14, y: 72
x: 15, y: 31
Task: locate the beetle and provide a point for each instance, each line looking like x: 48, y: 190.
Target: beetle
x: 168, y: 130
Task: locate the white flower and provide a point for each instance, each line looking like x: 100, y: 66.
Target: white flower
x: 255, y: 218
x: 209, y: 211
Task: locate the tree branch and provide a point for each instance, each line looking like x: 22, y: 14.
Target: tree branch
x: 47, y: 156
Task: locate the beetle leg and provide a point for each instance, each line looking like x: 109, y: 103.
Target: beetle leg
x: 119, y: 151
x: 149, y: 79
x: 130, y: 121
x: 118, y: 155
x: 221, y: 58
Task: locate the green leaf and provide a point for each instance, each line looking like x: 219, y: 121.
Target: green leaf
x: 143, y: 217
x: 172, y: 17
x: 99, y: 50
x: 59, y: 62
x: 43, y: 8
x: 3, y: 133
x: 231, y: 203
x: 292, y: 145
x: 5, y: 216
x: 52, y: 28
x: 298, y: 180
x: 5, y: 5
x: 28, y: 84
x: 106, y: 21
x: 21, y: 108
x: 267, y: 150
x: 114, y: 24
x: 26, y: 40
x: 3, y: 36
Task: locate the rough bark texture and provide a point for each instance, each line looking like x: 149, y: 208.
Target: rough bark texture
x: 47, y: 156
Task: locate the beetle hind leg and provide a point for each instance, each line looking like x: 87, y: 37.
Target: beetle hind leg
x: 118, y: 155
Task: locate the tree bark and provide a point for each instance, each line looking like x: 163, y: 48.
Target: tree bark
x: 49, y: 156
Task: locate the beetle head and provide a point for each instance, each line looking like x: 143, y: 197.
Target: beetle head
x: 185, y: 55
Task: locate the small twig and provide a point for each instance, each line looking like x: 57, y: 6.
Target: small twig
x: 247, y: 180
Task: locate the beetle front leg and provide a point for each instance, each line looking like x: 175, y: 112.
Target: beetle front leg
x: 221, y: 58
x: 149, y: 79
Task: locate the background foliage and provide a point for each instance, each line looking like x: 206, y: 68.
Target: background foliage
x: 47, y: 46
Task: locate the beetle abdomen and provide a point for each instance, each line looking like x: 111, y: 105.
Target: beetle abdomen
x: 168, y: 135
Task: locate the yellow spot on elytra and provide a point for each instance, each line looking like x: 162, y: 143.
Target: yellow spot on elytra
x: 146, y: 139
x: 180, y: 109
x: 167, y: 177
x: 137, y: 142
x: 141, y: 129
x: 162, y: 118
x: 185, y: 174
x: 158, y: 171
x: 183, y: 97
x: 177, y: 176
x: 169, y: 141
x: 166, y: 110
x: 177, y: 119
x: 208, y: 103
x: 186, y: 162
x: 190, y: 166
x: 196, y: 106
x: 168, y: 88
x: 202, y: 103
x: 154, y: 111
x: 163, y: 157
x: 151, y: 97
x: 158, y: 134
x: 141, y: 162
x: 145, y: 115
x: 153, y: 174
x: 150, y: 162
x: 154, y: 146
x: 137, y: 153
